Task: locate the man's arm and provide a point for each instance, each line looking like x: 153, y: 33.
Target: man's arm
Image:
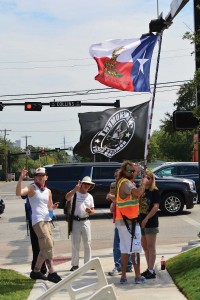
x: 137, y: 192
x: 51, y: 205
x: 70, y: 194
x: 19, y: 191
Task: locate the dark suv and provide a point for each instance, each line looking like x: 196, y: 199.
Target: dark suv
x: 175, y: 192
x: 63, y: 178
x: 188, y: 170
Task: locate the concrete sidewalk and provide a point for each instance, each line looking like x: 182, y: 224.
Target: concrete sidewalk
x: 162, y: 287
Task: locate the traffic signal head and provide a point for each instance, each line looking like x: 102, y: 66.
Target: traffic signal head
x: 42, y: 152
x: 184, y: 120
x: 33, y: 106
x: 57, y: 149
x: 1, y: 106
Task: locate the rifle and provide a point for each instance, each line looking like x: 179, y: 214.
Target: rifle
x: 71, y: 216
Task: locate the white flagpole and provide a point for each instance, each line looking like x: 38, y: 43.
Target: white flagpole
x: 152, y: 103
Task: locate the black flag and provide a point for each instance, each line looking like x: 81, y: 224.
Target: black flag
x: 118, y: 133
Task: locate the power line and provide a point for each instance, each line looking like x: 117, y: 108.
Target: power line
x: 70, y: 66
x: 81, y: 92
x: 76, y: 59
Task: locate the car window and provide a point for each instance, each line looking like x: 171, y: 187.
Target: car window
x: 104, y: 172
x: 168, y: 171
x: 70, y: 173
x: 186, y: 170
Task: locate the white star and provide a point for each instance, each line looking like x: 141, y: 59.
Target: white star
x: 142, y: 61
x: 97, y: 141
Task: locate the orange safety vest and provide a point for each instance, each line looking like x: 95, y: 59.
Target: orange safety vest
x: 128, y: 206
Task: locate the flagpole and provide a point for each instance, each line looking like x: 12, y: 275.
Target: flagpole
x: 152, y: 103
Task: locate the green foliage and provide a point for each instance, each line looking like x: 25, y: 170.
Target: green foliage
x: 14, y: 285
x: 19, y: 160
x: 185, y: 272
x: 168, y: 147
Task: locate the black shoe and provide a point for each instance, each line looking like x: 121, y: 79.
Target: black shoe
x: 144, y: 273
x: 148, y: 275
x: 54, y: 277
x: 74, y: 268
x: 43, y: 270
x: 37, y: 275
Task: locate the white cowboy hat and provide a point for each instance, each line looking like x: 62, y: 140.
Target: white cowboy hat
x: 87, y: 179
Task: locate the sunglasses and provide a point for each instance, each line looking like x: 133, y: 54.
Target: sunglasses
x: 130, y: 171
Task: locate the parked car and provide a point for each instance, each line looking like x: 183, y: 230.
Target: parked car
x: 175, y: 192
x: 188, y: 170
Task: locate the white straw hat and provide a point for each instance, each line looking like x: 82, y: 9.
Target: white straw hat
x: 87, y: 179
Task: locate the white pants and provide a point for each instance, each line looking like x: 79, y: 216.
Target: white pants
x: 81, y: 229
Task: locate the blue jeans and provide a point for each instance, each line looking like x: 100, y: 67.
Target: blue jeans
x: 117, y: 252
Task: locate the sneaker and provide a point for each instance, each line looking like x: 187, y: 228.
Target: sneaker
x: 144, y: 273
x: 54, y: 277
x: 37, y: 275
x: 149, y: 275
x: 114, y: 272
x: 123, y: 280
x: 139, y: 280
x: 73, y: 268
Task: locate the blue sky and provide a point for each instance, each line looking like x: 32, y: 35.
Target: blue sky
x: 45, y: 48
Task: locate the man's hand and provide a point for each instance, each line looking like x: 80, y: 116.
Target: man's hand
x: 78, y: 186
x: 23, y: 173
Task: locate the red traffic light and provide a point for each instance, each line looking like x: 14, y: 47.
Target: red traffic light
x: 42, y: 152
x: 33, y: 106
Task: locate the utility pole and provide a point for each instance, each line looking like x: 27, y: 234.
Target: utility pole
x: 64, y: 142
x: 26, y: 139
x: 5, y: 152
x: 197, y: 62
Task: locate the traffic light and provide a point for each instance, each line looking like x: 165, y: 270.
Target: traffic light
x: 42, y: 152
x: 1, y: 106
x: 184, y: 120
x: 57, y: 149
x: 33, y: 106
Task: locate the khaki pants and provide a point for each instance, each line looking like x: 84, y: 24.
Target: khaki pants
x: 45, y: 239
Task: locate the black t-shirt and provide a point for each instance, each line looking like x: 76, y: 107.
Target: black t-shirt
x: 147, y: 200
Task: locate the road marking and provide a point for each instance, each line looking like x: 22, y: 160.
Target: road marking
x: 190, y: 221
x: 7, y: 194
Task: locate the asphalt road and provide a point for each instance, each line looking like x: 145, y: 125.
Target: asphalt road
x: 15, y: 244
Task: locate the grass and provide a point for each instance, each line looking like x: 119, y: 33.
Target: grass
x: 14, y: 285
x: 185, y: 272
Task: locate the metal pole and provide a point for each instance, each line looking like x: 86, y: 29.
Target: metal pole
x: 197, y: 60
x: 152, y: 102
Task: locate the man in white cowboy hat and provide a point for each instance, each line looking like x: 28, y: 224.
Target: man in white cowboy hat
x: 83, y: 208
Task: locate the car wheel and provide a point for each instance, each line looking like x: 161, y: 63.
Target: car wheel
x: 172, y: 204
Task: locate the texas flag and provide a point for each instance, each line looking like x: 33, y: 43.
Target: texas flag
x: 125, y: 64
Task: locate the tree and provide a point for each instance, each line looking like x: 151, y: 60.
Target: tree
x: 167, y: 147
